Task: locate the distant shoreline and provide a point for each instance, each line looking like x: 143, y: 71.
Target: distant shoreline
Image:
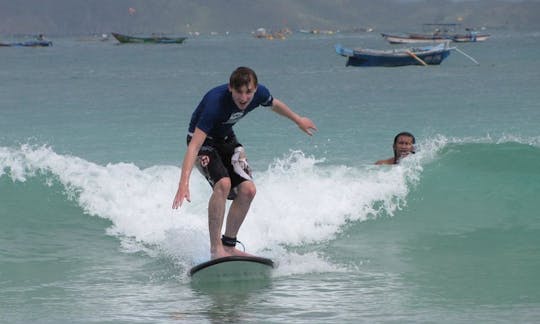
x: 185, y: 17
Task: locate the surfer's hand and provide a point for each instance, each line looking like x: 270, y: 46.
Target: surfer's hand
x: 240, y: 164
x: 307, y: 125
x: 181, y: 194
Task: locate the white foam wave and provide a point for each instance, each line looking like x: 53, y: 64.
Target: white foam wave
x: 299, y: 201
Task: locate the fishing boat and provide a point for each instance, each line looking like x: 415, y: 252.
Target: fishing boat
x: 415, y: 38
x: 427, y: 55
x: 440, y: 33
x: 470, y: 37
x: 262, y: 33
x: 30, y: 43
x: 433, y: 38
x: 154, y: 39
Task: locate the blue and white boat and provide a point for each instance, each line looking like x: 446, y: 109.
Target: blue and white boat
x: 30, y: 43
x: 427, y: 55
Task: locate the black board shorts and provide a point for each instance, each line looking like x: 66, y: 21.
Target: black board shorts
x: 214, y: 161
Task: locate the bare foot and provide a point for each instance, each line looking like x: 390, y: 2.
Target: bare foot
x: 219, y: 253
x: 228, y: 251
x: 234, y: 251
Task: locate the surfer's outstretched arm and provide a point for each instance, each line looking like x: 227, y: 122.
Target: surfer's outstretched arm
x: 304, y: 123
x: 187, y: 166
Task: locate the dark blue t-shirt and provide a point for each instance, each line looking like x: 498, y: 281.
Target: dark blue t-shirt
x: 217, y: 113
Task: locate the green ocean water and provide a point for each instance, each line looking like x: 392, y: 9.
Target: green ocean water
x: 93, y: 135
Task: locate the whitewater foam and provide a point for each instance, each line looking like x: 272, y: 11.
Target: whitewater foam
x: 300, y: 201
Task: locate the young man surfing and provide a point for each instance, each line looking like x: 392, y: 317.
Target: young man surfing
x: 217, y: 154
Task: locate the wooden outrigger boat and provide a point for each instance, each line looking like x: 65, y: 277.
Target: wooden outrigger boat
x: 428, y: 38
x: 441, y: 33
x: 427, y: 55
x: 154, y: 39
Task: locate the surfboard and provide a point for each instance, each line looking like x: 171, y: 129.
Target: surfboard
x: 232, y: 268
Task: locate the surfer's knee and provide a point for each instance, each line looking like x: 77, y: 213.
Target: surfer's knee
x: 222, y: 187
x: 247, y: 190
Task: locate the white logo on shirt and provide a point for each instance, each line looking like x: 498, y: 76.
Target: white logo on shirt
x: 234, y: 118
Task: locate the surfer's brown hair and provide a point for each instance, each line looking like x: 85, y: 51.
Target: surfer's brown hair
x: 242, y: 76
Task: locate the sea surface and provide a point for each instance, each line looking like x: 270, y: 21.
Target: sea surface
x: 92, y: 135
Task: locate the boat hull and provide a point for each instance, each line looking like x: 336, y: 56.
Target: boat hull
x: 470, y: 38
x: 36, y: 43
x: 125, y: 39
x: 430, y: 55
x: 414, y: 39
x: 428, y: 38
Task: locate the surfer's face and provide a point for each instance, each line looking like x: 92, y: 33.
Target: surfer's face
x: 242, y: 96
x: 404, y: 146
